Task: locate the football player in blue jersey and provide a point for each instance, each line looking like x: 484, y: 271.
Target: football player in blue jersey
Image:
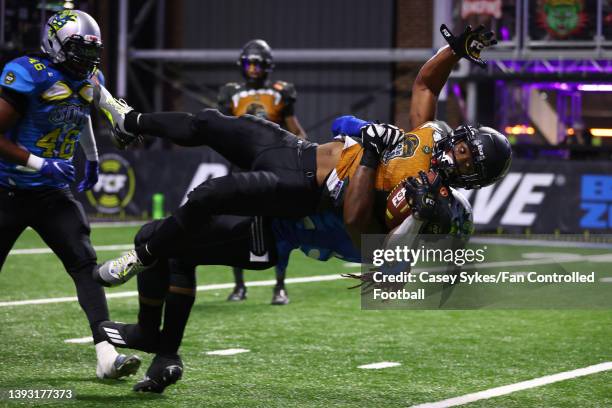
x: 44, y: 114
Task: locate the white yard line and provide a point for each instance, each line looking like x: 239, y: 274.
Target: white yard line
x: 133, y: 293
x: 378, y: 366
x: 80, y: 340
x: 227, y: 352
x: 524, y: 385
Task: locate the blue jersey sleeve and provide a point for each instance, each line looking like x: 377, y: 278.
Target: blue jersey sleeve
x: 18, y: 78
x: 24, y: 75
x: 348, y: 125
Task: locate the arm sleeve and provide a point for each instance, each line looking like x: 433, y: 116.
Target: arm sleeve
x: 88, y: 142
x: 348, y: 125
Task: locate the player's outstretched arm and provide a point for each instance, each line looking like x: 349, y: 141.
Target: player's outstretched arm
x: 427, y: 86
x: 433, y: 75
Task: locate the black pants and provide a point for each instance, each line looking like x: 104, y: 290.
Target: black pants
x: 279, y: 181
x: 244, y: 242
x: 61, y: 222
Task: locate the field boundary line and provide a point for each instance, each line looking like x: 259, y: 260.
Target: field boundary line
x: 201, y: 288
x: 523, y: 385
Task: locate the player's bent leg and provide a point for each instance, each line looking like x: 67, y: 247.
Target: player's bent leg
x: 67, y: 234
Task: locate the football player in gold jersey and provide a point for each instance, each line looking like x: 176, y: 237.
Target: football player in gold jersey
x: 273, y: 101
x: 287, y: 179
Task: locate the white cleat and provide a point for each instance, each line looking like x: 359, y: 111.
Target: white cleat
x: 115, y: 111
x: 118, y: 271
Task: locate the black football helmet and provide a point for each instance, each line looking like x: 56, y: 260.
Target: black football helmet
x: 259, y: 53
x: 491, y: 156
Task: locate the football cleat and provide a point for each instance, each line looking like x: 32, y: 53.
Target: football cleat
x: 165, y: 370
x: 123, y: 366
x: 131, y: 336
x: 280, y: 296
x: 114, y: 110
x: 118, y: 271
x: 238, y: 294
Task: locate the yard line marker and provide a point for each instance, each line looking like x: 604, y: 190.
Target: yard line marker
x: 524, y: 385
x: 80, y: 340
x: 133, y: 293
x: 227, y: 352
x: 101, y: 248
x: 378, y: 366
x: 606, y: 280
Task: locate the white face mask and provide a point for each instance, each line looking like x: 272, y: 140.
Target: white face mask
x: 447, y: 159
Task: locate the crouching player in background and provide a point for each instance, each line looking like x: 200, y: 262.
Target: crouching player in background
x: 322, y: 197
x: 259, y: 97
x: 44, y: 113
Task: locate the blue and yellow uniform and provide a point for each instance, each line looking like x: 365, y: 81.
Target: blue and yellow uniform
x: 55, y: 112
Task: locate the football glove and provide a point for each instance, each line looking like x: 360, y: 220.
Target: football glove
x: 421, y: 195
x: 376, y: 138
x: 470, y: 43
x: 59, y: 170
x: 92, y: 169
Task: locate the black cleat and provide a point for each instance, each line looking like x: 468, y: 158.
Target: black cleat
x: 131, y: 336
x: 280, y: 296
x: 165, y: 370
x: 238, y: 294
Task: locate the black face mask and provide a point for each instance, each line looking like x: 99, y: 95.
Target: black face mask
x: 82, y: 57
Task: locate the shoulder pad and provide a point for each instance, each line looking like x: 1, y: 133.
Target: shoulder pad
x: 226, y: 92
x: 23, y: 74
x: 286, y: 89
x: 441, y: 128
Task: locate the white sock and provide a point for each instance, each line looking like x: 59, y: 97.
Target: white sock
x: 106, y: 354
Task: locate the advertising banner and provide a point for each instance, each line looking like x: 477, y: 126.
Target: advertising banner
x: 536, y: 196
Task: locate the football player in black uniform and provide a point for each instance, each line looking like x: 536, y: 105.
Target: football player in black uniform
x: 273, y: 101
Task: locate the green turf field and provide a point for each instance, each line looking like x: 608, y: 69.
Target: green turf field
x: 306, y: 353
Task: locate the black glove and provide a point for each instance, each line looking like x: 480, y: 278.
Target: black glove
x: 376, y: 138
x: 422, y: 195
x: 470, y: 43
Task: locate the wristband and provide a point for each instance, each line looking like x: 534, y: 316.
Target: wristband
x: 369, y: 159
x: 35, y: 162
